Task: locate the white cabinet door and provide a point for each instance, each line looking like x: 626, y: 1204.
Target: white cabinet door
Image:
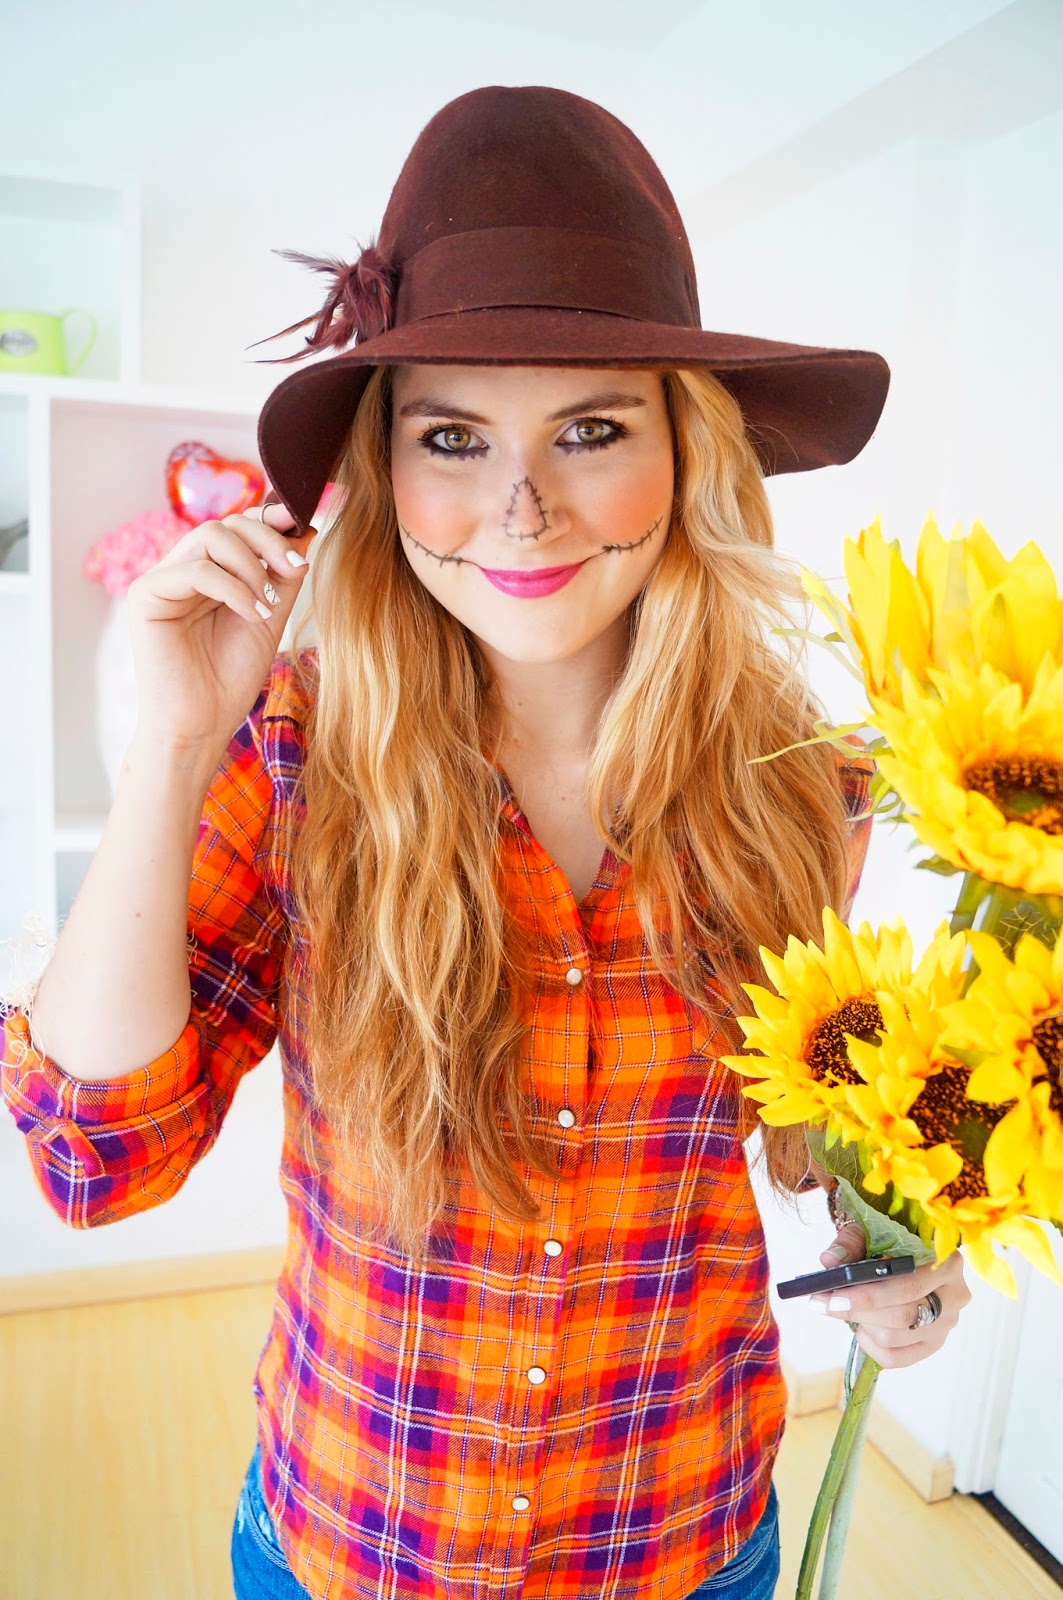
x: 1029, y: 1476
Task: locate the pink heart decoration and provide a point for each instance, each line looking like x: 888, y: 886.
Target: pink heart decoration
x: 203, y: 486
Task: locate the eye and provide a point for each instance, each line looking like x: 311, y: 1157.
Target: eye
x: 591, y: 435
x: 456, y: 441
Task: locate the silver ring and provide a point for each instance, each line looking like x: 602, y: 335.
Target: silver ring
x: 929, y: 1311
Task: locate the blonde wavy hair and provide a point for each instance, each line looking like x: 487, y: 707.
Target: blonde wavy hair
x: 413, y: 1030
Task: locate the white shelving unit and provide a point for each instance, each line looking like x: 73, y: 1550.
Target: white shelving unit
x: 78, y: 456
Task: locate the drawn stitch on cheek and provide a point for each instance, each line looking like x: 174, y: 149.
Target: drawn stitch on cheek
x: 458, y: 560
x: 524, y: 509
x: 636, y: 542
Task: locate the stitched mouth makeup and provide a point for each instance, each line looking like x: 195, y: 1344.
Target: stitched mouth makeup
x: 529, y: 582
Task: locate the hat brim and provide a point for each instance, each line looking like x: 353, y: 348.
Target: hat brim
x: 805, y: 406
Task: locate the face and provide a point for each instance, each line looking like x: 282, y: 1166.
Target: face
x: 533, y: 502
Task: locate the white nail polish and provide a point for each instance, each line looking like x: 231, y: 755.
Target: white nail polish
x: 838, y: 1302
x: 263, y: 610
x: 817, y: 1305
x: 295, y: 558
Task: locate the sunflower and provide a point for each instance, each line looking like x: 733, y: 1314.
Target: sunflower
x: 824, y: 998
x: 976, y: 760
x: 964, y: 605
x: 1012, y: 1018
x: 923, y: 1139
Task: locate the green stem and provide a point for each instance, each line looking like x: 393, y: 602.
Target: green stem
x: 850, y: 1429
x: 840, y: 1517
x: 970, y: 899
x: 998, y: 903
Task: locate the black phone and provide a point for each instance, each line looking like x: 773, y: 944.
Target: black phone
x: 850, y: 1272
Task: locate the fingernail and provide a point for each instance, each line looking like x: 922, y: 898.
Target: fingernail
x: 295, y: 558
x: 838, y: 1302
x: 262, y: 610
x: 817, y: 1305
x: 837, y: 1250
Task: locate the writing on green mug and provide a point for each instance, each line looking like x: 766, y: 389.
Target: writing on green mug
x: 35, y: 341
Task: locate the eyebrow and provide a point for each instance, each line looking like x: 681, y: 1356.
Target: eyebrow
x: 607, y: 400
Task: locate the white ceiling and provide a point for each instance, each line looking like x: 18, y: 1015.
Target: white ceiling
x: 633, y: 25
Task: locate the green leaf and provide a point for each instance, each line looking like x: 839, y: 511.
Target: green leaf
x: 946, y: 869
x: 973, y: 1136
x: 818, y: 638
x: 825, y: 735
x: 888, y: 1220
x: 968, y: 1058
x: 885, y: 1235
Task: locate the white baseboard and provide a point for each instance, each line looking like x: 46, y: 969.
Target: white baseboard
x: 929, y: 1475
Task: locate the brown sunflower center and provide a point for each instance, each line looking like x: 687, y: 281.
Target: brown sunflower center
x: 1048, y: 1041
x: 825, y: 1052
x: 1048, y: 1037
x: 1024, y: 788
x: 944, y: 1115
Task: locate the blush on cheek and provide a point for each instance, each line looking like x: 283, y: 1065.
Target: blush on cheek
x: 435, y: 524
x: 625, y: 511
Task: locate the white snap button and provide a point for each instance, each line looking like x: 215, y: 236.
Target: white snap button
x: 552, y: 1247
x: 536, y: 1374
x: 521, y: 1502
x: 573, y: 976
x: 566, y: 1117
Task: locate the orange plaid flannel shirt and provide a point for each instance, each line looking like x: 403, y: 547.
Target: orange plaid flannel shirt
x: 586, y: 1405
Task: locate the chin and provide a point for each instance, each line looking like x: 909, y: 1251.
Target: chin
x: 528, y: 645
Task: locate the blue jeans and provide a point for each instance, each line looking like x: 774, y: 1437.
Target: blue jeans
x: 261, y: 1572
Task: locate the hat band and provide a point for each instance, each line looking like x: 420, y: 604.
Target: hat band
x: 559, y: 267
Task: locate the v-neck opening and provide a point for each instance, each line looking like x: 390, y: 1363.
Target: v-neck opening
x: 608, y: 864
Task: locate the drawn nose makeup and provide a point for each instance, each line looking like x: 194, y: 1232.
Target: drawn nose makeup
x: 525, y: 516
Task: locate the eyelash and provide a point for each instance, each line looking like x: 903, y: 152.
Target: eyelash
x: 620, y: 432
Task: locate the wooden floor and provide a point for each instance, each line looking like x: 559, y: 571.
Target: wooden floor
x: 126, y: 1431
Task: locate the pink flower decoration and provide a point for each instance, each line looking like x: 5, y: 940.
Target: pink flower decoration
x: 122, y: 555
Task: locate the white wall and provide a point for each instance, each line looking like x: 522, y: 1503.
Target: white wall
x: 883, y: 176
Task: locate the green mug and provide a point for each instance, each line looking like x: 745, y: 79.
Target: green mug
x: 34, y: 341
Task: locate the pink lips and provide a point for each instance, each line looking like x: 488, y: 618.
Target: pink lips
x: 530, y: 584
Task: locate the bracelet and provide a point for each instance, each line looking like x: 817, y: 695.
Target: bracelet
x: 838, y: 1215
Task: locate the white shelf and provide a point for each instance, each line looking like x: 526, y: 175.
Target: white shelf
x: 72, y: 238
x: 108, y: 391
x: 79, y: 455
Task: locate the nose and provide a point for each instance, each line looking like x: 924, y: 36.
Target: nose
x: 525, y: 515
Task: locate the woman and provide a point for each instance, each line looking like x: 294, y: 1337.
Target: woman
x: 491, y: 861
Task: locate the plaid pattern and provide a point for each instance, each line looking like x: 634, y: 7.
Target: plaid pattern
x: 588, y: 1405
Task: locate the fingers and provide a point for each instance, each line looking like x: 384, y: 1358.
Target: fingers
x: 849, y: 1245
x: 186, y: 581
x: 894, y: 1356
x: 887, y: 1302
x: 242, y: 562
x: 881, y: 1313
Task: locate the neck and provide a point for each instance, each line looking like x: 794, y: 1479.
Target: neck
x: 551, y: 709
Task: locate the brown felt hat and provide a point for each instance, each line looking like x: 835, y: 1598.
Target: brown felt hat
x: 530, y: 227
